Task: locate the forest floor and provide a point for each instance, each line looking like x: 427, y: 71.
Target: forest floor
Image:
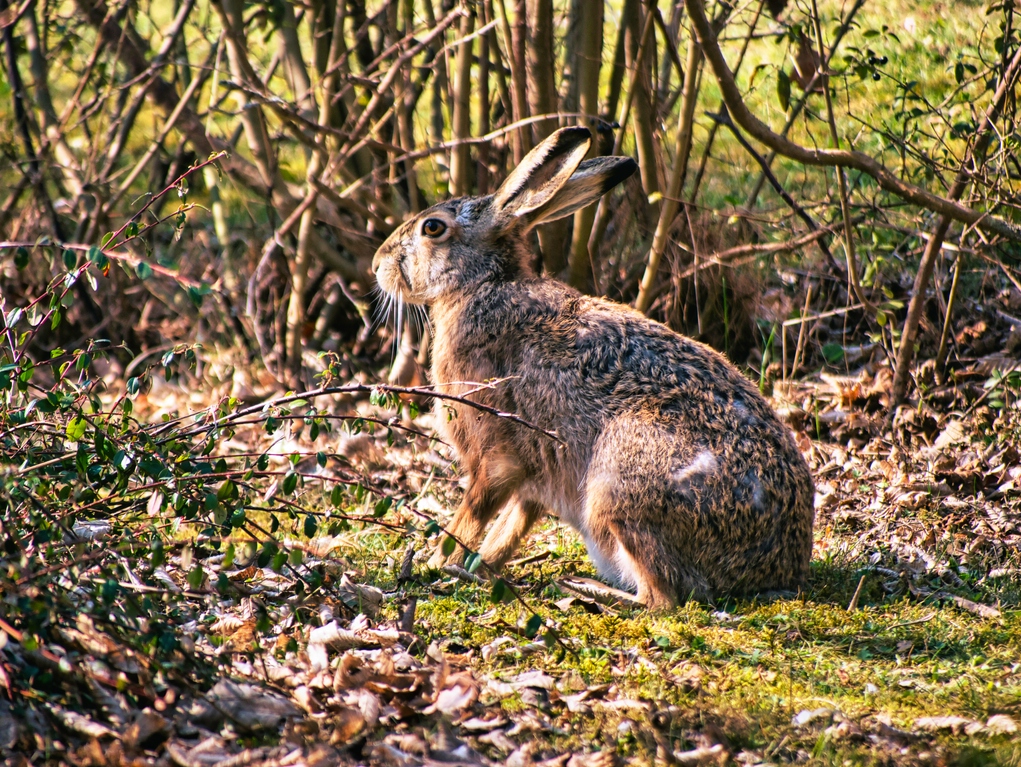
x: 905, y: 648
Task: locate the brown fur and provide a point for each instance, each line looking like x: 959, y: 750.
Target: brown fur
x: 675, y: 470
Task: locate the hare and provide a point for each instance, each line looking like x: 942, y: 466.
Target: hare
x: 678, y: 475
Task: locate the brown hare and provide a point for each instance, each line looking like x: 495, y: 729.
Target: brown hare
x: 670, y: 464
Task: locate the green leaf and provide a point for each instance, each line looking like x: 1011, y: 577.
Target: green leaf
x: 290, y: 483
x: 76, y: 428
x: 501, y: 591
x: 448, y: 546
x: 336, y: 496
x: 382, y: 507
x: 533, y: 626
x: 833, y: 353
x: 311, y: 526
x: 197, y: 294
x: 132, y: 230
x: 106, y: 239
x: 143, y: 270
x: 783, y: 89
x: 279, y: 560
x: 472, y: 562
x: 158, y: 553
x: 227, y: 491
x: 20, y: 258
x: 228, y: 557
x: 195, y: 577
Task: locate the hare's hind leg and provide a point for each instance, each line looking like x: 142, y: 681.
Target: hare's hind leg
x: 636, y: 557
x: 640, y: 532
x: 510, y: 527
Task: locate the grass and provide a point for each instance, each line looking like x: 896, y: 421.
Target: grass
x: 743, y: 668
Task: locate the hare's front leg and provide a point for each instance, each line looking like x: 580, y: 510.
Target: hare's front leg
x: 510, y: 527
x: 481, y: 501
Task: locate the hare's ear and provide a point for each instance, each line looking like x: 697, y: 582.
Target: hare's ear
x: 541, y: 174
x: 588, y: 183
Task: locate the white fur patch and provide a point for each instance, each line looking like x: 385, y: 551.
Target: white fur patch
x: 704, y: 463
x: 618, y: 570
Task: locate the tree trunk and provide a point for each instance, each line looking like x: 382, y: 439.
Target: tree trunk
x: 590, y: 54
x: 460, y: 157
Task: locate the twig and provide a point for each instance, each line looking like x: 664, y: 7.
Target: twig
x: 723, y: 117
x: 845, y: 208
x: 853, y: 604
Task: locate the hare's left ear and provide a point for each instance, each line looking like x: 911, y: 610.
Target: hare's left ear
x: 540, y: 175
x: 588, y: 183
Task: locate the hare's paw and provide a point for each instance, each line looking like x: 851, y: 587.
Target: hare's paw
x: 439, y: 558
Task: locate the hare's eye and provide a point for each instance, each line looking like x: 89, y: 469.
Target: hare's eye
x: 433, y: 227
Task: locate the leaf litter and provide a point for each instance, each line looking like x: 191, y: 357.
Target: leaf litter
x: 919, y: 512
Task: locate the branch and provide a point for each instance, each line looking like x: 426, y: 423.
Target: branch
x: 841, y: 158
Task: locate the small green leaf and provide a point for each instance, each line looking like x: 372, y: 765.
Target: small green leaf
x: 20, y: 258
x: 106, y: 239
x: 382, y: 507
x: 833, y: 353
x: 336, y: 496
x: 279, y: 560
x: 76, y: 428
x: 501, y: 591
x: 290, y: 483
x: 783, y: 89
x: 472, y: 562
x: 448, y: 546
x: 228, y: 557
x: 195, y: 577
x: 533, y: 626
x: 227, y: 491
x: 143, y: 270
x: 311, y: 526
x: 158, y: 554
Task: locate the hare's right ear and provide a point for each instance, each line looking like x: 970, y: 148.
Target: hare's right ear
x: 541, y: 174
